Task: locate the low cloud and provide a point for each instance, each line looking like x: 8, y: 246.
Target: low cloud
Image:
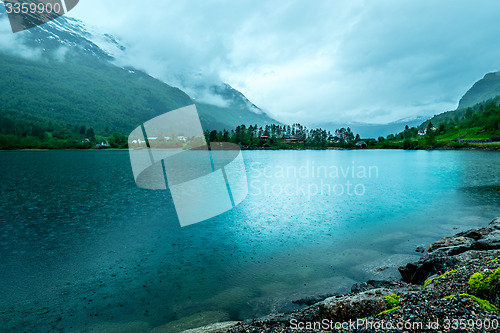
x: 12, y: 44
x: 310, y: 62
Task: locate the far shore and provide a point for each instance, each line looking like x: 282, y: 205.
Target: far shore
x: 486, y: 147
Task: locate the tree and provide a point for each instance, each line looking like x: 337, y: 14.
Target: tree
x: 213, y: 136
x: 441, y: 128
x: 118, y: 140
x: 90, y: 134
x: 225, y: 136
x: 430, y: 137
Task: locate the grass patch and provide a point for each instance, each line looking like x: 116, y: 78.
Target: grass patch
x: 392, y: 300
x: 436, y: 279
x: 483, y: 303
x: 492, y: 260
x: 449, y: 296
x: 390, y: 310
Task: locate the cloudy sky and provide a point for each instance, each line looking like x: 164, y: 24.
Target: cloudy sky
x: 313, y: 61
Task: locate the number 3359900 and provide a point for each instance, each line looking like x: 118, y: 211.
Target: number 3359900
x: 33, y: 8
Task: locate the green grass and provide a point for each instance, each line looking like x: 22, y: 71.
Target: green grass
x: 436, y: 279
x: 390, y: 310
x: 483, y: 303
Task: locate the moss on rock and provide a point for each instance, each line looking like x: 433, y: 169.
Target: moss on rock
x: 484, y: 285
x: 392, y: 300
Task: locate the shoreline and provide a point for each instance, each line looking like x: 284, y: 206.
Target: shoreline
x: 433, y: 294
x: 471, y: 148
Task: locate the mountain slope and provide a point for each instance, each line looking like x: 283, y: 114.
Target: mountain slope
x: 99, y: 96
x: 478, y: 124
x: 238, y: 110
x: 482, y: 94
x: 484, y: 89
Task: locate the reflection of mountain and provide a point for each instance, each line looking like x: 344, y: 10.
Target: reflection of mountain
x: 63, y: 71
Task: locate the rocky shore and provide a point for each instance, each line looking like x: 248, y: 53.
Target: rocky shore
x: 453, y: 287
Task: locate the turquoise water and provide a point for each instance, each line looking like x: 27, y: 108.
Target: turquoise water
x: 82, y: 247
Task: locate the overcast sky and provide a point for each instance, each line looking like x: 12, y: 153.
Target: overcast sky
x: 313, y: 61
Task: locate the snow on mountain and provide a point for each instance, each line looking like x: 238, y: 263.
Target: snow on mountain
x: 68, y: 32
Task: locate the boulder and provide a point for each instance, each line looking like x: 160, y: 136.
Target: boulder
x: 449, y: 251
x: 451, y: 244
x: 373, y: 284
x: 495, y: 223
x: 476, y: 233
x: 489, y: 242
x: 345, y: 308
x: 215, y: 328
x: 418, y: 272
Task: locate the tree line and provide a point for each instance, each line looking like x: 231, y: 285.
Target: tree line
x: 32, y: 133
x: 283, y: 136
x: 449, y: 128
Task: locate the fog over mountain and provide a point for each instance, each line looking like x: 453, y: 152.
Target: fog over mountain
x: 357, y: 61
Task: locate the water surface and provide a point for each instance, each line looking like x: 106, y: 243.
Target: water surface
x: 82, y: 247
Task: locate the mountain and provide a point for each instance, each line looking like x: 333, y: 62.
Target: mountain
x: 367, y: 130
x: 484, y: 89
x: 477, y: 124
x: 64, y: 72
x: 483, y: 93
x: 236, y: 109
x: 91, y: 93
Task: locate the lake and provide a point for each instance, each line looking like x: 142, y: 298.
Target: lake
x: 83, y: 248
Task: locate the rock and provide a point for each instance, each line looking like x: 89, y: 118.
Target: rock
x: 489, y: 242
x: 418, y: 272
x: 476, y: 233
x: 310, y: 300
x: 215, y: 328
x: 345, y: 308
x: 450, y: 251
x: 196, y: 320
x: 373, y: 284
x: 450, y: 243
x: 495, y: 223
x: 420, y: 249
